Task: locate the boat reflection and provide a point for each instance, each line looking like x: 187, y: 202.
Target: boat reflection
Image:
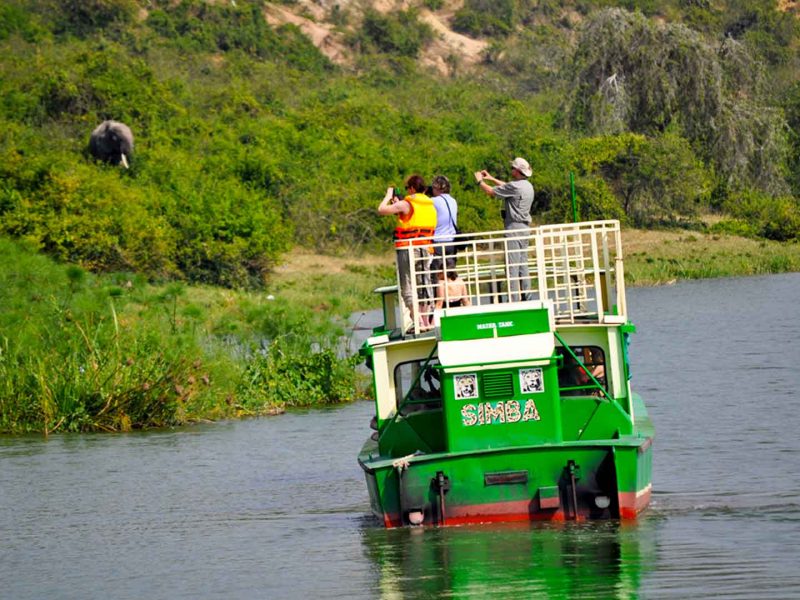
x: 591, y: 560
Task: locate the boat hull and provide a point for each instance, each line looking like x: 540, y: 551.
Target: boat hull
x: 555, y: 483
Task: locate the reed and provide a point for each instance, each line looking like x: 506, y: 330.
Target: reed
x: 80, y: 352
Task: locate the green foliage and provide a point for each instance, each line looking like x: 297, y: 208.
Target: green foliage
x: 399, y: 33
x: 486, y: 17
x: 771, y: 218
x: 702, y: 256
x: 83, y: 17
x: 292, y: 373
x: 70, y: 360
x: 240, y: 26
x: 632, y: 74
x: 534, y: 59
x: 791, y: 107
x: 247, y: 140
x: 737, y: 227
x: 80, y: 352
x: 766, y: 31
x: 15, y: 19
x: 657, y: 179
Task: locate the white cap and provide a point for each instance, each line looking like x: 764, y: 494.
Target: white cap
x: 521, y: 165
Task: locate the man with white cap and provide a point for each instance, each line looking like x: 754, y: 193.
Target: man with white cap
x: 517, y: 195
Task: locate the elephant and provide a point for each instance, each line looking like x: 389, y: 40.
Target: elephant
x: 112, y: 142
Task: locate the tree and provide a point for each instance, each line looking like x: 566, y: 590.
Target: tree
x: 655, y: 179
x: 632, y: 74
x: 658, y: 179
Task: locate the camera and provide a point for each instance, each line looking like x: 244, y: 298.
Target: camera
x: 396, y: 192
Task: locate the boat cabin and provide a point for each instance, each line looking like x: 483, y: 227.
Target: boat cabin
x: 566, y: 339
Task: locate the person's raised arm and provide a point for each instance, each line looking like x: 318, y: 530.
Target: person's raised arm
x: 391, y: 205
x: 485, y: 175
x: 482, y: 177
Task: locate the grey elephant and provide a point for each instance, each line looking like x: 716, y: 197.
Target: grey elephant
x: 112, y: 142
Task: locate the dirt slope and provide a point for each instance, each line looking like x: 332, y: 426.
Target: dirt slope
x: 447, y: 52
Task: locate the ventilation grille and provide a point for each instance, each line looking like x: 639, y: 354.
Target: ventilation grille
x: 497, y: 385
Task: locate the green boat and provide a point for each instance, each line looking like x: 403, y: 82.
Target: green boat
x: 518, y: 406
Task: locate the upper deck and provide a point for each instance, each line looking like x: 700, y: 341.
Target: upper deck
x: 576, y: 268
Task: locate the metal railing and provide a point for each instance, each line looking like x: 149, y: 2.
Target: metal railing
x: 577, y: 267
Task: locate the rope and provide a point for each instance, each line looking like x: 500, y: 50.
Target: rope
x: 402, y: 463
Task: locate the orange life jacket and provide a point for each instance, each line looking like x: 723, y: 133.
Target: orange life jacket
x: 419, y: 223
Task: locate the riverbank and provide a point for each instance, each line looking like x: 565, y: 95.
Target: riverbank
x: 80, y: 352
x: 651, y: 258
x: 112, y: 352
x: 664, y: 257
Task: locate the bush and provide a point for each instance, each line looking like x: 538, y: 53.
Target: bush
x: 631, y: 74
x: 397, y: 33
x: 16, y: 19
x: 80, y: 352
x: 232, y: 27
x: 83, y: 17
x: 294, y: 373
x: 772, y: 218
x: 474, y: 23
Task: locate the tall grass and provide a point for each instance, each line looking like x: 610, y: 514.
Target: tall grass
x: 81, y: 352
x: 85, y: 353
x: 654, y: 258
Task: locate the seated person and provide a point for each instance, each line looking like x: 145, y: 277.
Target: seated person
x: 598, y: 370
x: 574, y: 373
x: 451, y: 290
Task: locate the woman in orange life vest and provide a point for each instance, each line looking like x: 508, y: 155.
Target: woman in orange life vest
x: 416, y: 216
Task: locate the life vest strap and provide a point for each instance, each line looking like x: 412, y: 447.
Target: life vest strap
x: 410, y: 236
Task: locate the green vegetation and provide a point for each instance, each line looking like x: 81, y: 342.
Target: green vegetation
x: 400, y: 33
x: 654, y: 258
x: 80, y: 352
x: 250, y: 141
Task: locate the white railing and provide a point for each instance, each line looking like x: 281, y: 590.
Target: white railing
x: 577, y: 267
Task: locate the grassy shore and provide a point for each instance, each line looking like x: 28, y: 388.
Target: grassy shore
x: 651, y: 258
x: 658, y: 257
x: 80, y: 352
x: 83, y: 352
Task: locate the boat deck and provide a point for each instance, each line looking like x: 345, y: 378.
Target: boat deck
x: 577, y: 268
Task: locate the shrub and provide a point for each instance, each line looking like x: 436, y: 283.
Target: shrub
x: 232, y: 27
x: 83, y: 17
x: 72, y: 359
x: 293, y: 373
x: 398, y: 33
x: 16, y: 18
x: 772, y: 218
x: 497, y: 18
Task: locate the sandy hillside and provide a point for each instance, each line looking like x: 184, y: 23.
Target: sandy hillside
x: 447, y: 52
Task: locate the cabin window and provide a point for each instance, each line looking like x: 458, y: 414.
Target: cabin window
x: 572, y: 377
x: 420, y: 379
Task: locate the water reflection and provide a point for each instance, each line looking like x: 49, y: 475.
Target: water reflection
x: 592, y: 560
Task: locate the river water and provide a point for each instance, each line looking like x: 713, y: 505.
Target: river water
x: 277, y: 507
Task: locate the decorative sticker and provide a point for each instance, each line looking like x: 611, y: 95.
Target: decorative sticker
x: 466, y: 386
x: 531, y: 381
x: 508, y: 411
